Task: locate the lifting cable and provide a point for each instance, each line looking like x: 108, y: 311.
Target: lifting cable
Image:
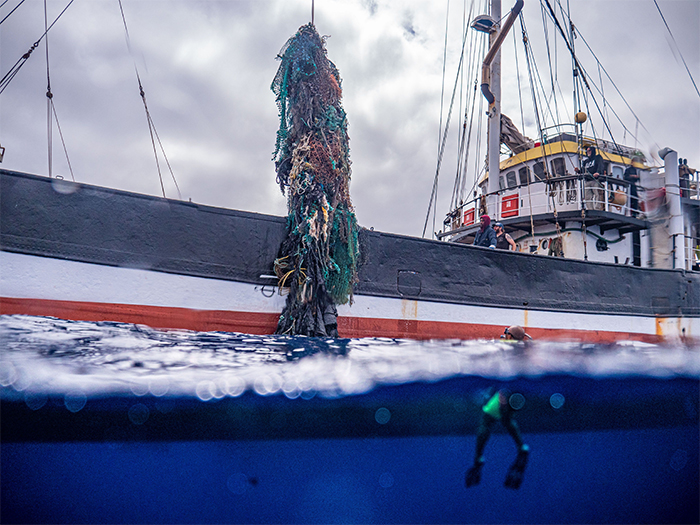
x: 7, y: 78
x: 151, y: 124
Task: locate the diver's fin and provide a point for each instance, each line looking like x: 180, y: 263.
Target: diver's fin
x: 473, y: 476
x: 514, y: 478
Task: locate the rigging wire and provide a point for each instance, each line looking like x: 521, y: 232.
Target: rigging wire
x: 582, y: 71
x: 151, y: 125
x: 678, y: 48
x: 444, y: 70
x: 8, y: 14
x: 549, y: 61
x: 552, y: 188
x: 433, y: 194
x: 517, y: 75
x: 465, y: 138
x: 49, y: 95
x: 460, y: 138
x: 440, y: 146
x: 51, y: 110
x: 617, y: 90
x: 479, y: 123
x: 12, y: 73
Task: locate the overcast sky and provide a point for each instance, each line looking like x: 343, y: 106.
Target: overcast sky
x: 207, y: 65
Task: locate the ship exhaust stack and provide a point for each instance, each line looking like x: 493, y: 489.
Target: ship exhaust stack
x: 673, y: 196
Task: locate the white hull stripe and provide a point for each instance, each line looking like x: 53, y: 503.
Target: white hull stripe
x: 29, y: 277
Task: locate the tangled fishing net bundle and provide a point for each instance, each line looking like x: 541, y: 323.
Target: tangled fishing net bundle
x: 317, y: 260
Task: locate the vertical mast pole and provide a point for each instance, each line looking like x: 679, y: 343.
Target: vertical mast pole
x: 494, y: 128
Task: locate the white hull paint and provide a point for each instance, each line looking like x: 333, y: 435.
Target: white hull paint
x: 28, y: 278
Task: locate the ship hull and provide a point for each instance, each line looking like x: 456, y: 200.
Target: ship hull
x: 88, y: 253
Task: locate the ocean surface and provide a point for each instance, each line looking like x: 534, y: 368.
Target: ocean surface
x: 40, y: 356
x: 108, y: 422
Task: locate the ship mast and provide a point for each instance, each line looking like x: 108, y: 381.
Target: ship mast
x: 491, y: 88
x: 494, y: 112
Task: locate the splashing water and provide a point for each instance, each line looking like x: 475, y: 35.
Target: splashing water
x: 53, y: 356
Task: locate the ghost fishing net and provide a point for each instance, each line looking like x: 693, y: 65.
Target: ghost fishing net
x: 317, y: 260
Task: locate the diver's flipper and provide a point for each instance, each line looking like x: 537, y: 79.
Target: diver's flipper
x: 473, y: 476
x: 514, y: 478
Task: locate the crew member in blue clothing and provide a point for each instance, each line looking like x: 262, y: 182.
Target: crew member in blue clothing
x: 486, y: 236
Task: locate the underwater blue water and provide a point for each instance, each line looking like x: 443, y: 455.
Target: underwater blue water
x: 117, y: 423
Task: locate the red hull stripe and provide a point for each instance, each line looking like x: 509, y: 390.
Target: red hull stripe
x: 266, y: 323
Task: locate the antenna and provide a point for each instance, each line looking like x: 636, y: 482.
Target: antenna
x: 312, y: 12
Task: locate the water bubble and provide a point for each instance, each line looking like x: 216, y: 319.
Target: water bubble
x: 75, y: 401
x: 382, y: 416
x: 218, y: 392
x: 138, y: 414
x: 64, y: 187
x: 237, y: 483
x: 679, y: 459
x: 139, y: 389
x: 205, y: 390
x: 35, y: 400
x: 234, y: 386
x: 557, y: 401
x: 291, y: 389
x: 386, y: 480
x: 267, y: 384
x: 159, y: 387
x: 8, y: 374
x: 516, y: 401
x: 308, y: 394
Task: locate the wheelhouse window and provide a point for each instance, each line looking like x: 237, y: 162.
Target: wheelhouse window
x: 540, y: 170
x: 510, y: 179
x: 558, y: 167
x: 617, y: 172
x: 524, y: 175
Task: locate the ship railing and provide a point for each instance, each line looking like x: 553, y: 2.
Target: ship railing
x: 690, y: 186
x: 560, y: 194
x: 692, y: 252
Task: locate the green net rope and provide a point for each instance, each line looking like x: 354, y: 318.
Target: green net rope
x: 317, y: 263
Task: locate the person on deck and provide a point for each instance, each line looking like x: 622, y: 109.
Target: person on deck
x: 503, y: 240
x: 593, y: 167
x: 632, y: 176
x: 485, y: 236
